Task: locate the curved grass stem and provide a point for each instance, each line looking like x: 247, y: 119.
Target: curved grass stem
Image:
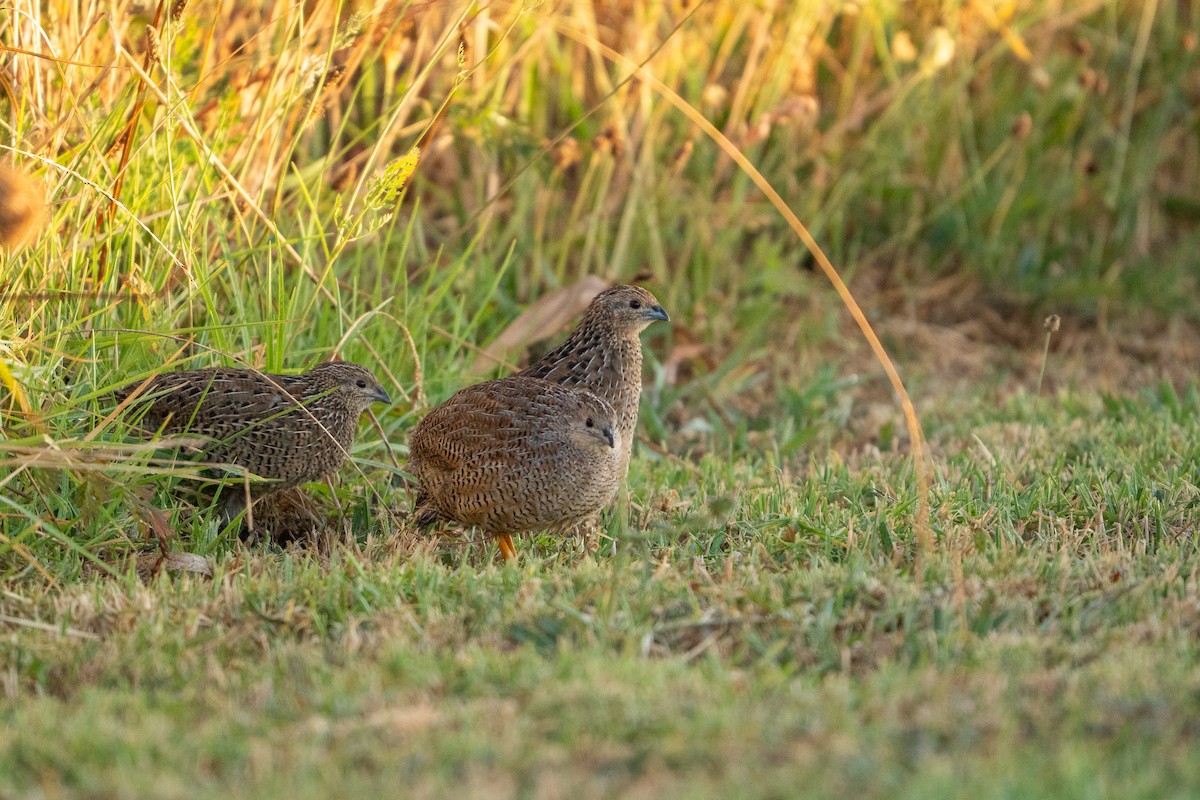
x: 919, y: 452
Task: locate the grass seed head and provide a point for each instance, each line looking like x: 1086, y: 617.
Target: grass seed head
x: 1022, y: 126
x: 153, y: 48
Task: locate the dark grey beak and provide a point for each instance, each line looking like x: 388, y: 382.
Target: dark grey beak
x: 381, y: 396
x: 658, y: 313
x: 611, y: 437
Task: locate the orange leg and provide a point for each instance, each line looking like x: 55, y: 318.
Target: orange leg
x: 505, y: 543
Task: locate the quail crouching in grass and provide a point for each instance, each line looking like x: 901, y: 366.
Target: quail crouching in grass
x: 516, y: 455
x: 287, y: 429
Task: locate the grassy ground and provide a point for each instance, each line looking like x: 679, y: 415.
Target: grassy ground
x: 758, y: 618
x: 761, y: 632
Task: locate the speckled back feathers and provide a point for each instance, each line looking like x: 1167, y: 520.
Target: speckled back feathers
x: 291, y: 428
x: 516, y: 454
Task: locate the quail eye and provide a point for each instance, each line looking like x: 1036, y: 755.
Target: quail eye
x: 589, y: 422
x: 361, y: 383
x: 635, y: 303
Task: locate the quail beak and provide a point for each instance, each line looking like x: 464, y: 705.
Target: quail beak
x: 610, y: 437
x: 380, y: 395
x: 656, y: 312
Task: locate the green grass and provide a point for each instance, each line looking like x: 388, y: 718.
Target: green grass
x: 754, y: 634
x: 757, y: 619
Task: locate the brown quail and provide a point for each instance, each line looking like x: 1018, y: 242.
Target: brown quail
x: 516, y: 454
x: 604, y: 355
x: 290, y: 429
